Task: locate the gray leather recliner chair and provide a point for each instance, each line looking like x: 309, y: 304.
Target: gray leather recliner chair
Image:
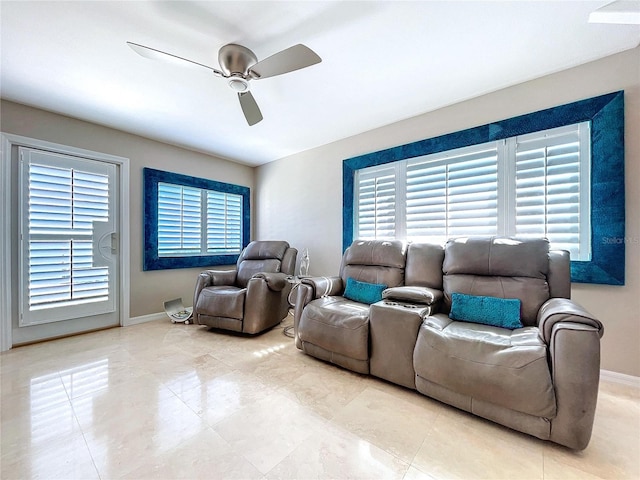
x: 335, y: 328
x: 252, y: 297
x: 541, y: 379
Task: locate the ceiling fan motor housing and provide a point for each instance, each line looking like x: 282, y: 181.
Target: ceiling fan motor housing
x: 236, y: 59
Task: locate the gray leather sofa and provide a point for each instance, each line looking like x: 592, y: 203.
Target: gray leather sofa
x: 540, y: 378
x: 252, y: 297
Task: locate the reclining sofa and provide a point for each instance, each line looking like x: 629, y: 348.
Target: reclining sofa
x: 483, y: 324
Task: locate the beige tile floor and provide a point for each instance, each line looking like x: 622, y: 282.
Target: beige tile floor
x: 179, y: 401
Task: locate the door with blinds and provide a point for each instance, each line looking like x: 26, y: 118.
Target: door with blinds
x: 68, y: 244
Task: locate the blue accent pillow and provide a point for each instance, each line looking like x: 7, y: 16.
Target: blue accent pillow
x: 363, y: 292
x: 498, y: 312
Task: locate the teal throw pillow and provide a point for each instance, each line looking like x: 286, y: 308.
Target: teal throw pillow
x: 498, y: 312
x: 363, y: 292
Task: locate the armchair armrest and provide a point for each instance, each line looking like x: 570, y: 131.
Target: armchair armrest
x: 221, y: 277
x: 567, y: 312
x: 275, y: 281
x: 573, y: 337
x: 324, y: 286
x: 413, y: 294
x: 209, y: 278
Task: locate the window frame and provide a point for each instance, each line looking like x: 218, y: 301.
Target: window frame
x: 606, y: 116
x: 151, y: 258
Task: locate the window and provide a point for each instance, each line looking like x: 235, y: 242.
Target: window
x: 377, y: 203
x: 179, y: 220
x: 552, y: 186
x: 545, y: 176
x: 526, y: 186
x: 63, y: 204
x: 193, y: 221
x: 452, y: 194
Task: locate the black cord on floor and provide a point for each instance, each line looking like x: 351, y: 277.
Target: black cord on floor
x: 288, y: 331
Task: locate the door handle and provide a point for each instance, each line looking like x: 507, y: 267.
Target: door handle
x: 105, y: 244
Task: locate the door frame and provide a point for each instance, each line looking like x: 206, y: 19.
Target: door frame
x: 9, y: 141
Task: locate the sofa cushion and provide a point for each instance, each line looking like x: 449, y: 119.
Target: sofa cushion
x: 222, y: 301
x: 375, y: 252
x: 374, y: 261
x: 499, y: 312
x: 424, y: 265
x: 504, y: 257
x: 248, y: 268
x: 337, y: 325
x: 265, y: 249
x: 412, y: 294
x: 363, y: 292
x: 504, y: 367
x: 498, y: 267
x: 532, y: 292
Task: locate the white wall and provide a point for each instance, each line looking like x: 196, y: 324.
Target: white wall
x: 299, y: 198
x: 148, y: 289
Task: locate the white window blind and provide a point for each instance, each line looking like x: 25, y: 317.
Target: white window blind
x: 224, y: 222
x: 552, y: 188
x: 452, y: 194
x: 179, y: 220
x: 376, y: 203
x: 534, y: 185
x: 193, y: 221
x: 63, y: 203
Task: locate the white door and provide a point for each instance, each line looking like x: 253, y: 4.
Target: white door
x: 68, y: 256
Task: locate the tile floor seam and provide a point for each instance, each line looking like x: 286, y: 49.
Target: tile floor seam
x: 84, y: 438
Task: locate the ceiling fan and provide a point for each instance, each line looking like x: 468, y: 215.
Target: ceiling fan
x: 239, y: 65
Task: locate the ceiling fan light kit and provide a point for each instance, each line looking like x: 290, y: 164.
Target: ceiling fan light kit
x: 238, y: 84
x: 239, y: 66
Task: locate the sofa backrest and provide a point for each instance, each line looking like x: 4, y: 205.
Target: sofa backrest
x: 374, y: 261
x: 265, y: 256
x: 498, y: 267
x: 424, y: 265
x: 559, y: 277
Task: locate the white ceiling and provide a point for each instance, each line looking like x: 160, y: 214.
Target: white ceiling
x: 381, y: 62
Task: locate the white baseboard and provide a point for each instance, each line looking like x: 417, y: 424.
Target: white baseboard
x: 145, y: 318
x: 620, y: 378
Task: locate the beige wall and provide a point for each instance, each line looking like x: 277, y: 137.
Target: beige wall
x: 148, y: 289
x: 300, y: 197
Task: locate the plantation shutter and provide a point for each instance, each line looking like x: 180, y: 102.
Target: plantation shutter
x: 224, y: 223
x: 551, y: 176
x: 66, y: 200
x: 376, y: 203
x: 452, y: 194
x: 179, y: 220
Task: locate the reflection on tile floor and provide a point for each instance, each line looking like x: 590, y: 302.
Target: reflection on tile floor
x: 168, y: 401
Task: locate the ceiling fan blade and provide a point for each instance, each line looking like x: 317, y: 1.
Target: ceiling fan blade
x: 293, y: 58
x: 154, y: 54
x: 250, y: 108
